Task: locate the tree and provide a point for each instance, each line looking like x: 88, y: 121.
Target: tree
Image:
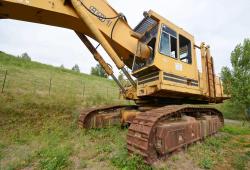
x: 62, y: 66
x: 98, y: 71
x: 121, y: 79
x: 25, y: 56
x: 76, y: 68
x: 236, y: 81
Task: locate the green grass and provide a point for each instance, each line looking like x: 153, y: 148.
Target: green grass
x: 240, y: 161
x: 54, y: 157
x: 129, y: 162
x: 231, y: 145
x: 237, y: 129
x: 204, y: 153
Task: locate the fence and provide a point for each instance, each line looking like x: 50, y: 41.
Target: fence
x: 47, y: 84
x: 4, y: 75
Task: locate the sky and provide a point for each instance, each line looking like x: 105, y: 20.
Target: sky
x: 220, y: 23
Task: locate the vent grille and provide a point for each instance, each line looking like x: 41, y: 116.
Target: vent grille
x: 148, y: 78
x: 144, y: 25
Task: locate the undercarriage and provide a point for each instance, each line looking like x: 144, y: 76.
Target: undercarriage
x: 154, y: 133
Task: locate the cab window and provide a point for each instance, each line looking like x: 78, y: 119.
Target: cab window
x: 168, y: 44
x: 185, y: 50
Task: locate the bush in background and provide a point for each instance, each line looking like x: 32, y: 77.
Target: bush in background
x: 98, y: 71
x: 25, y: 56
x: 236, y: 81
x: 76, y: 68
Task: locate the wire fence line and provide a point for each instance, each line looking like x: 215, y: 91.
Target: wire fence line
x: 44, y: 85
x: 3, y: 79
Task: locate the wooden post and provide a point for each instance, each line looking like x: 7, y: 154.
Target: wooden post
x: 107, y: 92
x: 4, y: 81
x: 83, y: 89
x: 34, y: 86
x: 50, y: 83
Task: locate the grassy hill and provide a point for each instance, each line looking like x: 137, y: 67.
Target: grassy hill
x: 39, y: 110
x: 38, y: 123
x: 37, y: 88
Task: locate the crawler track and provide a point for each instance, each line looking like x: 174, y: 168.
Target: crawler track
x: 95, y: 117
x: 141, y: 138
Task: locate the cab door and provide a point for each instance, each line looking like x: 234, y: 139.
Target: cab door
x: 176, y: 58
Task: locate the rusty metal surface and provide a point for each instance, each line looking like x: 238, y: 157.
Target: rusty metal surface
x: 172, y: 135
x: 152, y: 137
x: 101, y: 117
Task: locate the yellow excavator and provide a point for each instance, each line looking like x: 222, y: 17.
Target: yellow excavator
x: 171, y: 95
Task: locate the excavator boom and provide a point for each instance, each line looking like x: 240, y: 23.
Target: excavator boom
x: 99, y: 18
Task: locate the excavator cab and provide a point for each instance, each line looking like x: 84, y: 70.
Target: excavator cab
x: 172, y: 68
x: 171, y: 71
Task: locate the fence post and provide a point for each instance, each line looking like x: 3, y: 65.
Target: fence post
x: 83, y: 89
x: 4, y: 81
x: 107, y: 92
x: 34, y: 86
x: 50, y: 82
x: 119, y: 95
